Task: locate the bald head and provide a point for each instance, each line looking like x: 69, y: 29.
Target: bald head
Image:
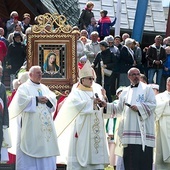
x: 134, y: 75
x: 35, y: 74
x: 132, y: 70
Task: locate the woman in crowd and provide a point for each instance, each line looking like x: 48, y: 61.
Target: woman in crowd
x: 86, y: 15
x: 80, y: 45
x: 104, y: 24
x: 14, y: 19
x: 104, y: 60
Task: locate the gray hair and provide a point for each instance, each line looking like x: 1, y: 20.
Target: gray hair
x: 128, y: 41
x: 23, y: 77
x: 28, y: 30
x: 15, y: 84
x: 109, y: 38
x: 168, y: 79
x: 133, y: 68
x: 94, y: 33
x: 83, y: 31
x: 13, y: 13
x: 32, y: 69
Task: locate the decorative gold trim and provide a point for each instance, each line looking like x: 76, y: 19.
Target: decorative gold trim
x: 61, y: 87
x: 51, y: 23
x: 46, y: 124
x: 96, y: 131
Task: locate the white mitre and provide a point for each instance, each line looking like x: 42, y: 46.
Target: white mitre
x: 86, y: 70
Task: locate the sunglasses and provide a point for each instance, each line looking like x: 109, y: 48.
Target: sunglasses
x: 90, y: 78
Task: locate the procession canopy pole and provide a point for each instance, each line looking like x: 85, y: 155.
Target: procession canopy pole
x: 139, y: 22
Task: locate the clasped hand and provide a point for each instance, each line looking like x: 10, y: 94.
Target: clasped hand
x: 134, y: 108
x: 42, y: 99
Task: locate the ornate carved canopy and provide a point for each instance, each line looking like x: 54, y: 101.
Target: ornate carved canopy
x: 51, y: 34
x: 51, y: 23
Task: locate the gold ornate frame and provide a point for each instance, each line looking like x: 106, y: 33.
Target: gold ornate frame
x: 60, y: 40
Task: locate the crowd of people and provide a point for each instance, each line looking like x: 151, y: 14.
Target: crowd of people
x: 13, y: 35
x: 127, y: 52
x: 115, y: 116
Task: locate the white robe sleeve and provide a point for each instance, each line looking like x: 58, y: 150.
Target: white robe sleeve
x: 161, y: 104
x: 31, y: 107
x: 109, y: 108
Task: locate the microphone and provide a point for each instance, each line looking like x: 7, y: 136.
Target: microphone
x: 127, y: 104
x: 97, y: 97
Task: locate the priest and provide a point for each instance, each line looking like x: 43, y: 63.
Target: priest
x: 136, y: 105
x: 162, y: 159
x: 37, y: 145
x: 80, y: 120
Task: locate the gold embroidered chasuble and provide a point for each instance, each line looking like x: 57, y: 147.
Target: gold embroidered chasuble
x: 38, y: 135
x: 86, y: 139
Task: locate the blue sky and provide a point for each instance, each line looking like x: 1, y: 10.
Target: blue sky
x: 165, y: 2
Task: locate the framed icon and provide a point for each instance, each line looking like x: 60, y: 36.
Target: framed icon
x: 60, y: 50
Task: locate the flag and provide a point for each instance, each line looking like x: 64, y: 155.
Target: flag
x: 118, y: 16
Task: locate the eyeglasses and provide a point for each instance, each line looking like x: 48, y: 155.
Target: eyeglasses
x: 133, y: 75
x: 90, y: 78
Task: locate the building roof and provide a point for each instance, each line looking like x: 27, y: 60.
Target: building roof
x: 155, y: 18
x: 154, y: 23
x: 68, y: 8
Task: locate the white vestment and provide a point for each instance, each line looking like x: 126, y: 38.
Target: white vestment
x: 6, y: 143
x: 162, y: 112
x: 84, y: 131
x: 136, y: 129
x: 37, y: 140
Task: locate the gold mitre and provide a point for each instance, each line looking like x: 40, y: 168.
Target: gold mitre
x: 86, y: 70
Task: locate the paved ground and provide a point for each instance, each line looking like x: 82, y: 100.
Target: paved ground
x: 12, y: 167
